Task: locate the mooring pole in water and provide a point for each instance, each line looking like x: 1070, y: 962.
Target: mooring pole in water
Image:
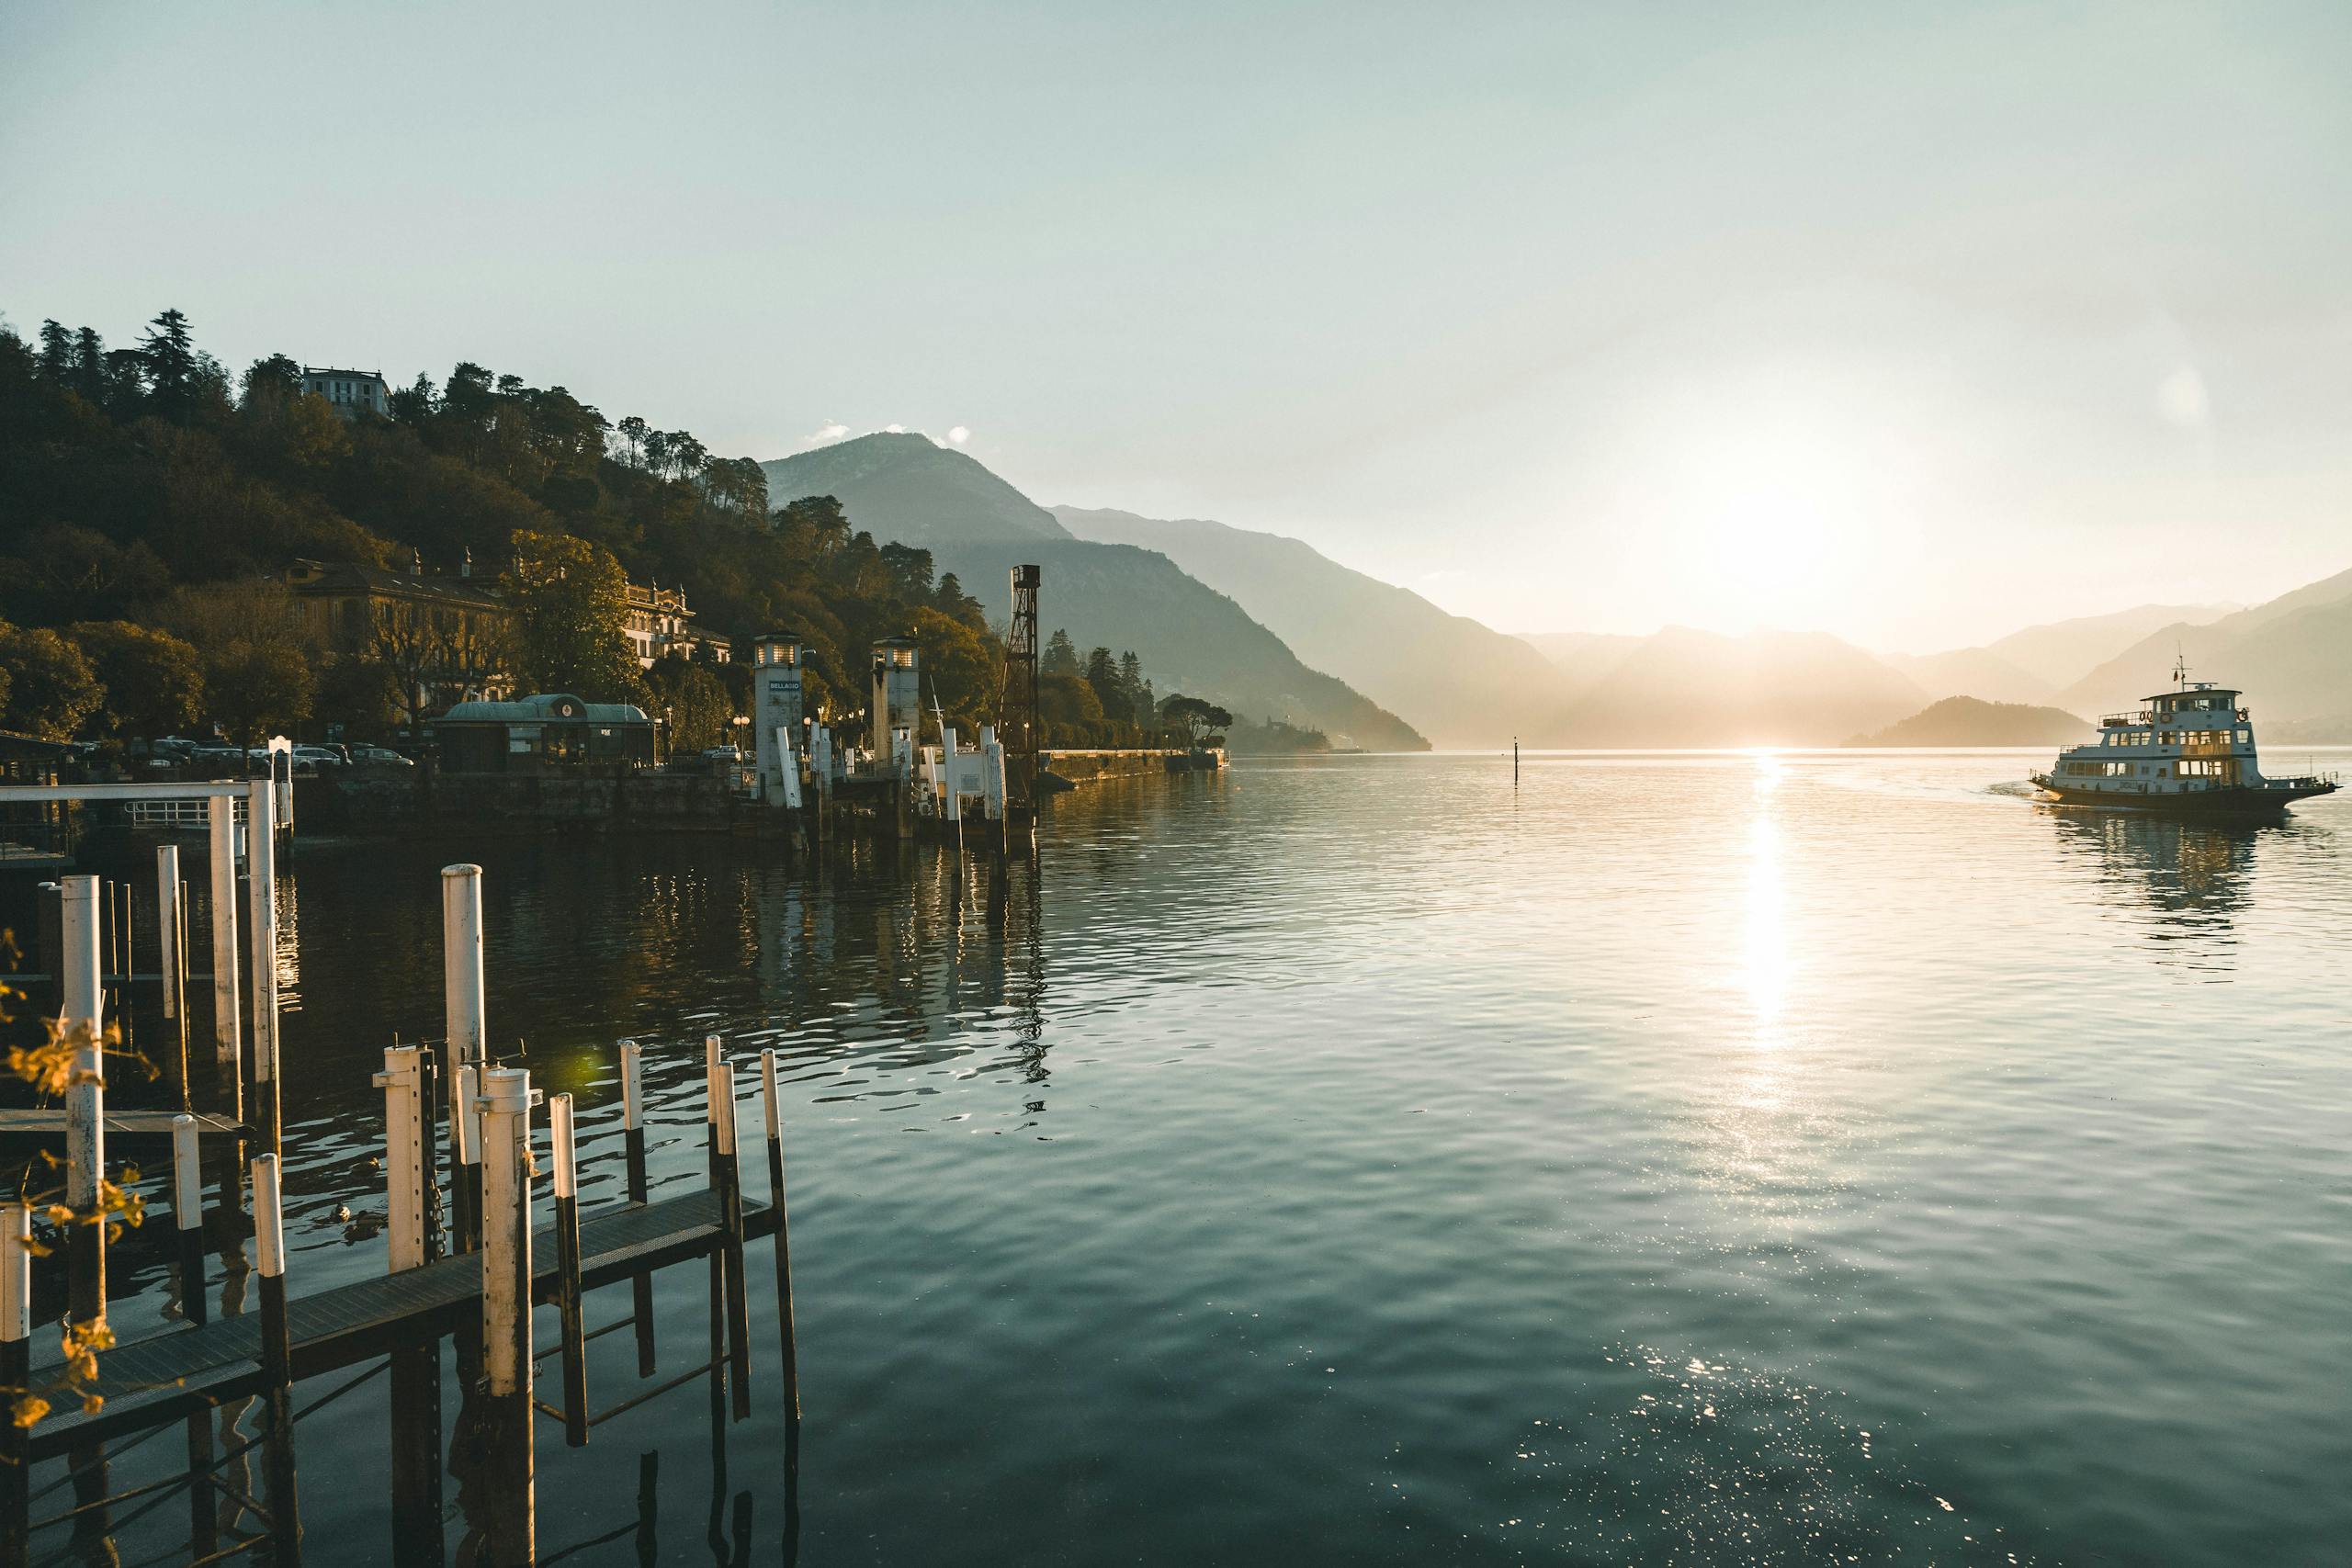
x: 167, y: 948
x: 277, y: 1360
x: 261, y: 893
x: 220, y: 864
x: 187, y: 1216
x: 506, y: 1099
x: 560, y: 1137
x: 1514, y: 759
x: 401, y: 1081
x: 773, y: 1115
x: 730, y: 1210
x: 711, y: 1051
x: 16, y: 1368
x: 464, y: 1147
x: 82, y: 1022
x: 640, y: 1284
x: 462, y: 965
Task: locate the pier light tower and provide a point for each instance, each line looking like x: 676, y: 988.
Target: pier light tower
x: 896, y: 701
x: 775, y: 705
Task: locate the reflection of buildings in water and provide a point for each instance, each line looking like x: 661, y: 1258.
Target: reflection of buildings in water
x: 2194, y: 876
x: 941, y: 952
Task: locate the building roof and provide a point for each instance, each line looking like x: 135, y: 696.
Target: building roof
x: 13, y: 744
x: 542, y: 706
x: 350, y: 577
x: 328, y: 370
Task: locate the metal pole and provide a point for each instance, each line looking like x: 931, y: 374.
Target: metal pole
x: 567, y: 1251
x: 261, y: 888
x: 506, y: 1306
x: 81, y: 1022
x: 461, y: 964
x: 774, y: 1127
x: 403, y: 1169
x: 187, y: 1216
x: 167, y: 924
x: 221, y: 862
x: 276, y: 1360
x: 465, y: 1141
x: 633, y: 1141
x: 731, y: 1210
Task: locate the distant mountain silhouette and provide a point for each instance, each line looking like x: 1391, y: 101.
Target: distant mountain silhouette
x: 1972, y: 672
x: 1683, y: 687
x: 1452, y: 678
x: 2292, y: 656
x: 1190, y: 638
x: 1582, y: 658
x: 1965, y: 721
x: 2060, y: 653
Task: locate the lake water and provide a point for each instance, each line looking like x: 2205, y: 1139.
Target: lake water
x: 1700, y: 1160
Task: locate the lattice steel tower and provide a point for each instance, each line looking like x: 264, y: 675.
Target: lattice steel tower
x: 1016, y: 705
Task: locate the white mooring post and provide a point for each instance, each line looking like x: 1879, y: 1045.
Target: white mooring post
x: 261, y: 889
x: 562, y: 1149
x: 951, y: 803
x: 277, y: 1360
x: 507, y: 1100
x: 167, y: 925
x: 465, y: 1140
x: 83, y: 1020
x: 402, y: 1083
x: 221, y: 862
x: 633, y: 1148
x: 187, y: 1216
x: 461, y: 964
x: 774, y: 1119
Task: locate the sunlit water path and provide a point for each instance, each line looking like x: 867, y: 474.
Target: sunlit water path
x: 1717, y: 1160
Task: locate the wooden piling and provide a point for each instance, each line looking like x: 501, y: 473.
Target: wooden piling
x: 567, y: 1249
x: 404, y: 1157
x: 640, y: 1285
x: 277, y: 1361
x: 15, y: 1370
x: 731, y: 1210
x: 221, y: 863
x: 187, y: 1217
x: 773, y: 1116
x: 506, y: 1309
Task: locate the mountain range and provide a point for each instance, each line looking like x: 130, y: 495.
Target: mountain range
x: 1190, y: 638
x: 1269, y: 625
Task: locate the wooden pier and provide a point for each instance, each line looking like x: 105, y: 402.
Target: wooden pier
x: 474, y: 1280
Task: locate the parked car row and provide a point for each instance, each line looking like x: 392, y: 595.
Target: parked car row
x: 174, y: 751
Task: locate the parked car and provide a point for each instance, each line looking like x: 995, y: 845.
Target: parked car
x: 377, y: 757
x: 724, y: 753
x: 311, y: 759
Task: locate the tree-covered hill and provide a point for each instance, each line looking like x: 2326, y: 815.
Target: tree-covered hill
x: 147, y: 487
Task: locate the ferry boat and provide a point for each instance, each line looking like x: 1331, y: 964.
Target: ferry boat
x: 2189, y: 751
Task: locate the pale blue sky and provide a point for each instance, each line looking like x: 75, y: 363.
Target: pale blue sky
x: 1914, y: 323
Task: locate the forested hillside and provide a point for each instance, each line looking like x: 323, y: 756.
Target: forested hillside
x: 150, y: 501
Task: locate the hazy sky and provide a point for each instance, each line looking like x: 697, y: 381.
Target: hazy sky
x: 1911, y: 322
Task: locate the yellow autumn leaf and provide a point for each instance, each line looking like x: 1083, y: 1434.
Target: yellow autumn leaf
x: 28, y: 1409
x: 92, y: 1403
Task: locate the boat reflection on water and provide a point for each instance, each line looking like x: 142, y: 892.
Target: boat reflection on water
x: 2183, y: 882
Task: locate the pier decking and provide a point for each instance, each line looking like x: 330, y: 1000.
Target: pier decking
x: 157, y: 1379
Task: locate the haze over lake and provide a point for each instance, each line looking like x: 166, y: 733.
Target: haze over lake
x: 1725, y: 1159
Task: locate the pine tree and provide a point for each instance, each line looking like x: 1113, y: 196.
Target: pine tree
x: 1061, y: 654
x: 169, y: 355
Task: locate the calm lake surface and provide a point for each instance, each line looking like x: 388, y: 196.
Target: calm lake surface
x: 1702, y: 1159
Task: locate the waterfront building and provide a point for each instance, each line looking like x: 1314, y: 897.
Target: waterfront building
x: 549, y: 732
x: 445, y: 638
x: 895, y: 699
x: 659, y: 625
x: 350, y: 392
x: 776, y: 704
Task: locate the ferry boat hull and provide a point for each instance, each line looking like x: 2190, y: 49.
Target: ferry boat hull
x: 2242, y: 803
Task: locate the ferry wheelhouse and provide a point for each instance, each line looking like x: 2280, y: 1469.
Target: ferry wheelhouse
x: 2188, y: 750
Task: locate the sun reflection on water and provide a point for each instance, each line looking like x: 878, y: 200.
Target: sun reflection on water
x: 1769, y: 962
